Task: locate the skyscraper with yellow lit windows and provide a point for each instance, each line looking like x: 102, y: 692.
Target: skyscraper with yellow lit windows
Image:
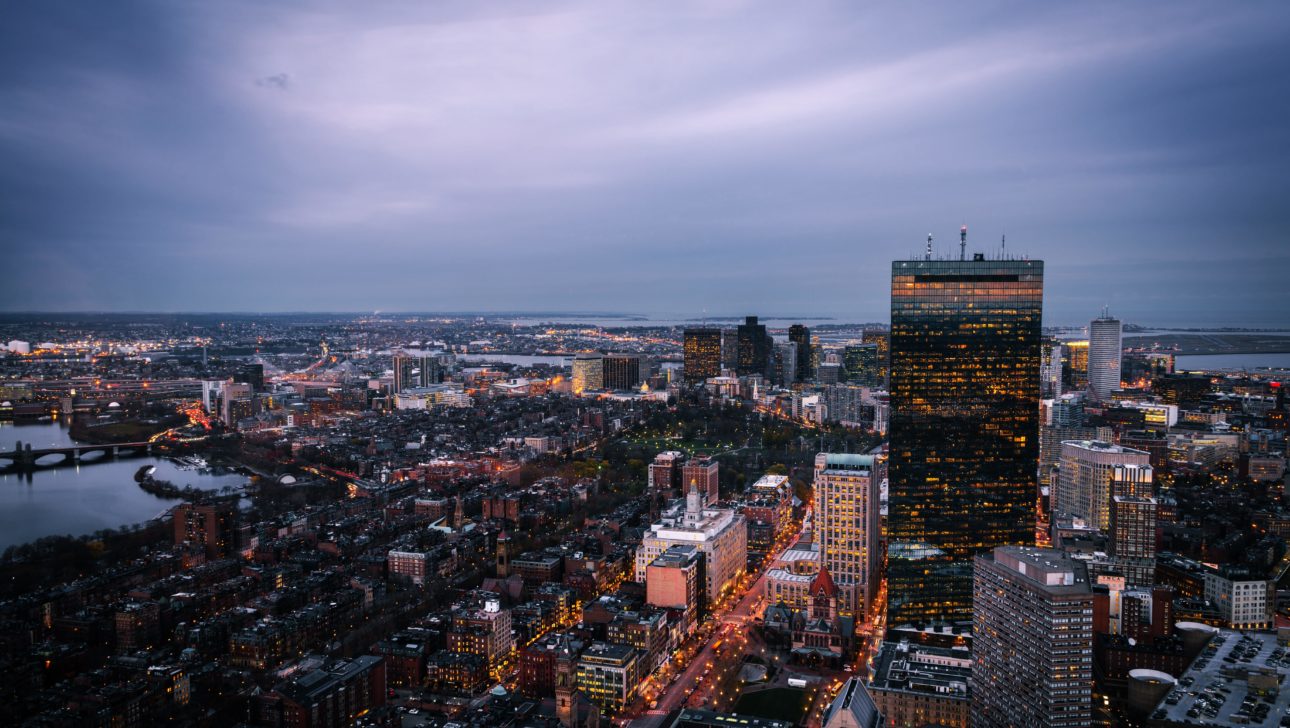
x: 964, y: 430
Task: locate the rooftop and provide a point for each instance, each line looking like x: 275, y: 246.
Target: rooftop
x: 1234, y: 675
x: 913, y: 668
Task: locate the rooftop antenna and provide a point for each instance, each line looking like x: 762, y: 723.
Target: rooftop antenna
x: 963, y: 243
x: 929, y: 247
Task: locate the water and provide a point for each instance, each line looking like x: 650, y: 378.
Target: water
x: 77, y: 500
x: 523, y: 360
x: 1199, y: 362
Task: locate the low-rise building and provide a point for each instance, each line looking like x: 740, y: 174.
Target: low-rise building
x: 917, y: 685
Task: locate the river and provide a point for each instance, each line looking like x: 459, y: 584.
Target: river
x: 76, y: 500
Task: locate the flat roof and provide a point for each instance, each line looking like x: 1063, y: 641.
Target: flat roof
x: 1216, y: 682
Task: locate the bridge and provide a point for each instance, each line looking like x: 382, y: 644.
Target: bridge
x: 26, y: 459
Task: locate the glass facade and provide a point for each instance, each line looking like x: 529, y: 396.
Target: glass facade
x: 964, y: 429
x: 702, y: 354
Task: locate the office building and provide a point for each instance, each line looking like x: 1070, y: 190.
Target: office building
x: 1032, y: 640
x: 784, y: 363
x: 675, y: 580
x: 1075, y: 364
x: 588, y: 373
x: 754, y: 348
x: 1050, y: 371
x: 964, y: 426
x: 719, y: 533
x: 1243, y: 602
x: 622, y: 371
x: 609, y: 675
x: 800, y: 335
x: 704, y: 473
x: 1091, y: 472
x: 882, y: 340
x: 847, y: 527
x: 922, y: 685
x: 702, y: 349
x: 861, y: 365
x: 1104, y: 349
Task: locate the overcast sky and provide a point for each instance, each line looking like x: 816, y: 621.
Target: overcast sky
x: 767, y: 158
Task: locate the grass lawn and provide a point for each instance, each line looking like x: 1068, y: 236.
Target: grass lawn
x: 788, y: 704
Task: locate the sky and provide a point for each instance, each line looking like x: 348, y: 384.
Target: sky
x: 730, y: 157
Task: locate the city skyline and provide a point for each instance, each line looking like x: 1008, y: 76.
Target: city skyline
x: 236, y: 157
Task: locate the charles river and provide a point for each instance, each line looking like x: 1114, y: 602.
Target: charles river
x: 77, y: 500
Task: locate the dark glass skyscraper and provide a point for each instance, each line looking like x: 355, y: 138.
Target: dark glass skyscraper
x: 754, y: 348
x: 800, y: 335
x: 965, y: 339
x: 702, y: 354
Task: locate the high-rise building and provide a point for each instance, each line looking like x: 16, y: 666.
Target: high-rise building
x: 704, y: 473
x: 800, y: 335
x: 729, y: 349
x: 964, y: 425
x: 882, y: 340
x: 702, y: 348
x: 784, y: 363
x: 754, y: 348
x: 416, y: 370
x: 1050, y: 371
x: 1132, y: 544
x: 1032, y: 640
x: 1075, y: 364
x: 1092, y: 472
x: 862, y: 365
x: 847, y: 527
x: 622, y: 371
x: 1104, y: 349
x: 588, y: 373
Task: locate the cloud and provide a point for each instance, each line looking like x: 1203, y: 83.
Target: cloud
x: 723, y: 155
x: 280, y: 81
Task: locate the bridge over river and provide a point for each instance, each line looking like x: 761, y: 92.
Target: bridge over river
x: 26, y: 459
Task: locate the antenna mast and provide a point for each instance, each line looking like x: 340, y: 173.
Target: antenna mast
x: 929, y: 247
x: 963, y: 243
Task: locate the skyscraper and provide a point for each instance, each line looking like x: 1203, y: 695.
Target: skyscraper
x: 964, y: 425
x: 882, y: 340
x: 413, y: 370
x: 847, y: 526
x: 1104, y: 350
x: 754, y: 348
x: 861, y: 365
x: 1032, y: 640
x: 1050, y: 371
x: 800, y: 335
x: 702, y: 354
x: 1075, y: 354
x: 588, y: 373
x: 622, y: 371
x: 784, y: 360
